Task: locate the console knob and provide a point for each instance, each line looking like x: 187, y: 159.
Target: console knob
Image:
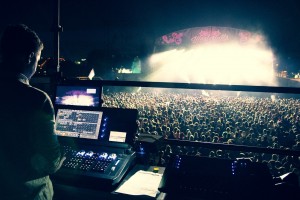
x: 103, y: 155
x: 89, y: 154
x: 80, y: 153
x: 112, y: 156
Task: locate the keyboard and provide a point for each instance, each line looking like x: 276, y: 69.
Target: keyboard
x: 88, y: 167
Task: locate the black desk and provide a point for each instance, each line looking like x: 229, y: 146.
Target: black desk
x: 63, y: 192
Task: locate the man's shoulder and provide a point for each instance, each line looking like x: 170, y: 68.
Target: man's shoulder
x: 37, y: 90
x: 38, y: 93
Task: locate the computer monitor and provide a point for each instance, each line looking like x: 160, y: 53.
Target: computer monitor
x: 78, y: 123
x: 77, y: 95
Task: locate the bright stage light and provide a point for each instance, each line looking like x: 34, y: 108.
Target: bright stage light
x: 215, y: 64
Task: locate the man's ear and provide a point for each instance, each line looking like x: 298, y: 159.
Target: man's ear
x: 30, y: 57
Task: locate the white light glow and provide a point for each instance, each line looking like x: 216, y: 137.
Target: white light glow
x: 215, y: 64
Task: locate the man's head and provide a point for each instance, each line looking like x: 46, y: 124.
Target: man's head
x: 20, y: 50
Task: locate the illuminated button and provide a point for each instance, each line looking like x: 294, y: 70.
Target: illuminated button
x: 117, y: 163
x: 112, y: 156
x: 80, y: 153
x: 89, y: 154
x: 103, y: 155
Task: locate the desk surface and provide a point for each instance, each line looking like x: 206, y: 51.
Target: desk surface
x: 62, y: 192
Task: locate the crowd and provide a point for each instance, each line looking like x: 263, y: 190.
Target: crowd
x: 218, y: 118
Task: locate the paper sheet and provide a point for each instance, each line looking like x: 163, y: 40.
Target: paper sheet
x: 141, y: 183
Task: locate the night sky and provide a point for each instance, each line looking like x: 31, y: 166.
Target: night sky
x: 132, y: 26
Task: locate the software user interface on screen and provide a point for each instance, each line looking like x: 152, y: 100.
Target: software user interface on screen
x: 78, y: 123
x: 77, y: 95
x: 117, y: 136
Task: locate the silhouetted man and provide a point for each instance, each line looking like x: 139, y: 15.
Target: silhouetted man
x: 29, y: 150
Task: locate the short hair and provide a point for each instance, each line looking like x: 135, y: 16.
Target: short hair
x: 19, y: 40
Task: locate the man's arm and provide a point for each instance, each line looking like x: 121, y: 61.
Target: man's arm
x: 48, y: 158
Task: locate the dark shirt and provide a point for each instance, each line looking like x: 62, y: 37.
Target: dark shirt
x: 29, y: 149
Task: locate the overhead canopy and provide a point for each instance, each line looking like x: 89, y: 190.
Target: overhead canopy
x: 203, y: 35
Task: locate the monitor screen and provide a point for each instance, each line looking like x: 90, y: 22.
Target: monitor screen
x: 78, y: 123
x: 117, y: 136
x: 77, y: 95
